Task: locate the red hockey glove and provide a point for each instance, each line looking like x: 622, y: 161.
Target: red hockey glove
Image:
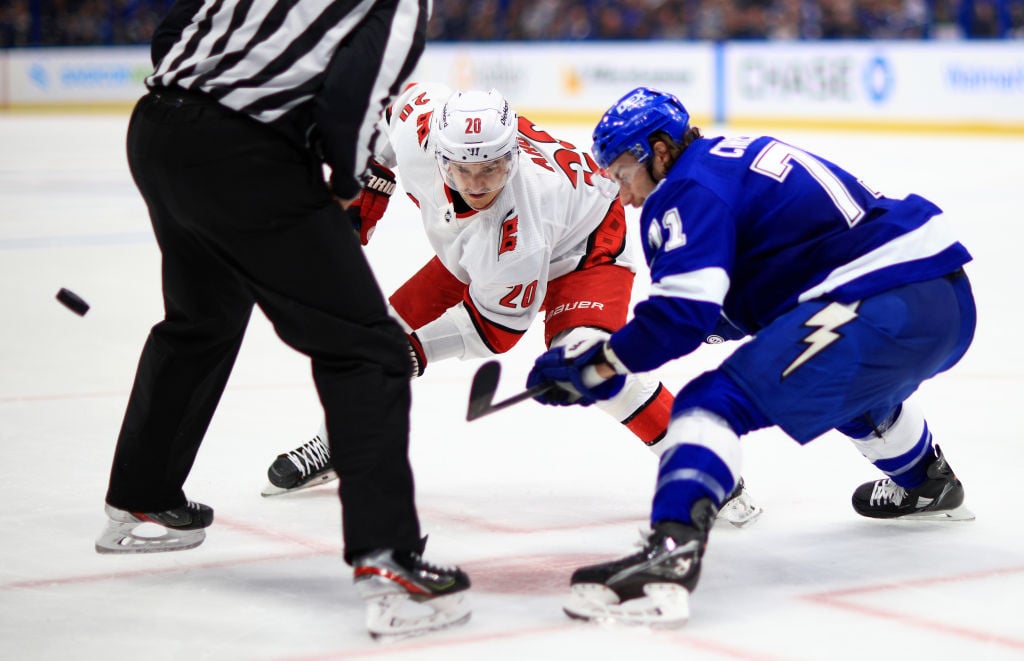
x: 369, y: 207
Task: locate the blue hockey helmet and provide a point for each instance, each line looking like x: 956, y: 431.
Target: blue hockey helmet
x: 627, y: 124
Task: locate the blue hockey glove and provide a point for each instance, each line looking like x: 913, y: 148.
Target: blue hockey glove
x: 574, y: 383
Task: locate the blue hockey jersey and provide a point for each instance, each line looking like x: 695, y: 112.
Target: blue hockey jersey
x: 747, y: 228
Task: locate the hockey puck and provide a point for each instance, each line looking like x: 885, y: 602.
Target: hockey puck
x: 73, y: 301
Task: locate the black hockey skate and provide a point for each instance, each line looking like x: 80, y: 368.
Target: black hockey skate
x: 388, y: 580
x: 172, y: 530
x: 306, y: 466
x: 940, y: 497
x: 651, y: 586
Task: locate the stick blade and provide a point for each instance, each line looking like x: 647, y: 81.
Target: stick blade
x: 481, y: 391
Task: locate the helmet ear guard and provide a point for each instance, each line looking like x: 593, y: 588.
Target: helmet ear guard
x: 627, y: 126
x: 476, y: 127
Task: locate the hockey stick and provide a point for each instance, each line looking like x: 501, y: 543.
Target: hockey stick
x: 485, y: 385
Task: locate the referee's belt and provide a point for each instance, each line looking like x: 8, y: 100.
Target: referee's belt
x: 179, y: 97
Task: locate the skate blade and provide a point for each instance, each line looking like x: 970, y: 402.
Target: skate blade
x: 957, y: 514
x: 394, y: 617
x: 271, y: 490
x: 664, y: 606
x: 142, y: 537
x: 740, y: 512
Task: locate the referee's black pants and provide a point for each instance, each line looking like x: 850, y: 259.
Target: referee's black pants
x: 242, y: 217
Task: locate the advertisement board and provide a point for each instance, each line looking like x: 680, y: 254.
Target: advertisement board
x: 900, y: 84
x: 40, y: 77
x: 877, y: 85
x: 575, y: 82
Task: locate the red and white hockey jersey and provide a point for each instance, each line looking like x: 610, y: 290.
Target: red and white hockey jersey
x: 535, y: 231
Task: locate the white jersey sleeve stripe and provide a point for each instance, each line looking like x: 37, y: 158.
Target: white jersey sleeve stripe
x: 708, y: 285
x: 930, y: 239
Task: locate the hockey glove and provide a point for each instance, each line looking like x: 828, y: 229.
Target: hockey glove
x: 574, y: 383
x: 369, y: 207
x: 417, y: 357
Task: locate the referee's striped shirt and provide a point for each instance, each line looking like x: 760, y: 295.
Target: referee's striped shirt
x: 274, y: 60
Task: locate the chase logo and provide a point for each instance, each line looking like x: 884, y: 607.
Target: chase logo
x: 878, y: 79
x: 37, y: 74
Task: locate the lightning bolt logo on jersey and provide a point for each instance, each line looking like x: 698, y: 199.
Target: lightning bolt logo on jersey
x: 824, y: 322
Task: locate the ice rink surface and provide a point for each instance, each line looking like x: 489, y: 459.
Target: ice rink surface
x: 518, y: 499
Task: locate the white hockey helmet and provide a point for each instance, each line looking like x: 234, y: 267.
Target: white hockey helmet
x: 475, y: 138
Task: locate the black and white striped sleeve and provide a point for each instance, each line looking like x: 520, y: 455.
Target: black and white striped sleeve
x: 366, y: 74
x: 295, y: 62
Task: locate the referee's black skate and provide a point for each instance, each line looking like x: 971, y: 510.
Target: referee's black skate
x: 306, y: 466
x: 151, y: 532
x: 651, y: 586
x: 407, y: 596
x: 941, y: 496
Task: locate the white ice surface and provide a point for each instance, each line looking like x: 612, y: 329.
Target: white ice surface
x: 518, y: 499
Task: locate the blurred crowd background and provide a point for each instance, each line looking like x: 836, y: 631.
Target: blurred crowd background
x: 114, y: 22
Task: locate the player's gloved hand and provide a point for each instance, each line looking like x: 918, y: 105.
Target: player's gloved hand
x: 378, y: 185
x: 574, y: 375
x: 417, y: 357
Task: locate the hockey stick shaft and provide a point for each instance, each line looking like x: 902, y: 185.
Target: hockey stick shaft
x: 529, y: 393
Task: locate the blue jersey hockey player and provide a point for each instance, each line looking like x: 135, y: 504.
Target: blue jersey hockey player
x: 851, y: 299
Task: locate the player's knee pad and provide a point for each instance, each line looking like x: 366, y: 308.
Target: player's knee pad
x: 715, y: 392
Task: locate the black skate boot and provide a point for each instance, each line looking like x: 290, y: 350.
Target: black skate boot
x: 182, y: 529
x: 664, y: 571
x: 388, y: 579
x: 306, y: 466
x: 940, y: 497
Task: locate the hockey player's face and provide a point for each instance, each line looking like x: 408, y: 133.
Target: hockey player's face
x: 635, y: 183
x: 480, y: 183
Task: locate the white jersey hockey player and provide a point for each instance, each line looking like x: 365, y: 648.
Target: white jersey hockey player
x: 520, y: 230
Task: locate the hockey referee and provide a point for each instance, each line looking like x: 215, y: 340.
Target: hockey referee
x: 248, y: 101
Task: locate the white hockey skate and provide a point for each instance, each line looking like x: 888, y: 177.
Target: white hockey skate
x: 406, y: 596
x: 154, y: 532
x: 306, y: 466
x: 739, y: 509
